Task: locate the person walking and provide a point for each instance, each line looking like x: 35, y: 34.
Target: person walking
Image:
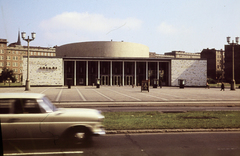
x: 207, y: 86
x: 222, y: 87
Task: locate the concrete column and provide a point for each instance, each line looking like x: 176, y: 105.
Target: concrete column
x: 169, y: 74
x: 99, y: 69
x: 86, y: 73
x: 158, y: 70
x: 123, y: 73
x: 75, y: 73
x: 110, y: 73
x: 135, y: 73
x: 146, y: 70
x: 63, y: 62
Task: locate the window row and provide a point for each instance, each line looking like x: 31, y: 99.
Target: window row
x: 12, y: 57
x: 14, y: 64
x: 31, y: 53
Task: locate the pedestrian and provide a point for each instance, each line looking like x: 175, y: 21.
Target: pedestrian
x: 207, y: 85
x: 160, y: 83
x: 222, y: 87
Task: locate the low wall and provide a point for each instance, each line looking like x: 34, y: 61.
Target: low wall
x: 44, y: 71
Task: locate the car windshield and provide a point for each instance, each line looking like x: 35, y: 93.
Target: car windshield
x: 49, y: 103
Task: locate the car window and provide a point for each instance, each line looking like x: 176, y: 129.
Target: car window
x: 26, y: 106
x: 49, y: 103
x: 5, y: 105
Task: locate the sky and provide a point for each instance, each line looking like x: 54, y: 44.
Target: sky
x: 162, y: 25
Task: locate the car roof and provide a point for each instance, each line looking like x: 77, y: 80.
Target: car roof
x: 21, y: 95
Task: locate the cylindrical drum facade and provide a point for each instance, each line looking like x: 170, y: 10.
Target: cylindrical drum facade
x: 103, y: 49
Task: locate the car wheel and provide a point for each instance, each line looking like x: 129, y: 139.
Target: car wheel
x: 79, y: 135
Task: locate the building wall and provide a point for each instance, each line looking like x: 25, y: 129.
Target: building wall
x: 3, y: 51
x: 44, y: 71
x: 193, y: 71
x: 103, y: 49
x: 215, y: 63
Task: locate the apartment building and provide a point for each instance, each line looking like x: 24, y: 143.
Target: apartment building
x: 11, y: 56
x: 215, y: 63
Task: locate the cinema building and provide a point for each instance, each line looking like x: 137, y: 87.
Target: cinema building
x: 113, y: 64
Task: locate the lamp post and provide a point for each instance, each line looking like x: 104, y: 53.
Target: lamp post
x: 27, y: 86
x: 233, y: 44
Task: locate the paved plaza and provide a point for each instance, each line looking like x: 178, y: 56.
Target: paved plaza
x: 127, y: 95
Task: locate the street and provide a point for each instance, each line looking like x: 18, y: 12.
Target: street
x: 167, y: 99
x: 164, y: 144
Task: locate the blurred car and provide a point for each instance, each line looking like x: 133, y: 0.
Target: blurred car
x: 33, y: 116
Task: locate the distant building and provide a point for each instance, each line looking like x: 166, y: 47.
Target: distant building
x: 11, y: 56
x: 155, y: 55
x: 182, y: 54
x: 228, y: 63
x: 215, y: 63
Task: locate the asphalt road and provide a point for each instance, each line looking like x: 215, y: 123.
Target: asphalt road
x: 164, y: 144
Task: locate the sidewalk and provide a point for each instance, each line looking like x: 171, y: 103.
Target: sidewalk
x: 89, y: 96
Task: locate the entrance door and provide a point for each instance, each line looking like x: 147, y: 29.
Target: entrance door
x: 128, y: 80
x: 117, y: 80
x: 104, y: 80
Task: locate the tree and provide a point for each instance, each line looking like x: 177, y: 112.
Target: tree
x: 7, y: 75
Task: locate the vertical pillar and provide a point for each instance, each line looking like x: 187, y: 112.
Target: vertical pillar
x: 63, y: 69
x: 110, y: 73
x: 169, y: 74
x: 158, y: 70
x: 86, y: 73
x: 75, y: 73
x: 123, y: 73
x: 135, y: 73
x: 99, y: 69
x: 146, y: 70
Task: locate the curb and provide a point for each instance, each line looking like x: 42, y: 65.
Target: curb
x: 170, y: 131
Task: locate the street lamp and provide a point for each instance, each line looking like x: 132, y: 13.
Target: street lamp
x: 27, y: 86
x: 233, y: 44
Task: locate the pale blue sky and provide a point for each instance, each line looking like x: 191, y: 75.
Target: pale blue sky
x: 162, y: 25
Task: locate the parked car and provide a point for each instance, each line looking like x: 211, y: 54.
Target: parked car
x: 33, y: 116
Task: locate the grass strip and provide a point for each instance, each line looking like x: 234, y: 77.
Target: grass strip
x: 158, y: 120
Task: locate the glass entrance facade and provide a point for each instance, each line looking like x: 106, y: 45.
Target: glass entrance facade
x: 115, y: 73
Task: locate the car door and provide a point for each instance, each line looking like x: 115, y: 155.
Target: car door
x: 28, y: 120
x: 5, y: 106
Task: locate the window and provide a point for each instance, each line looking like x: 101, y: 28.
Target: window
x: 5, y: 105
x: 8, y: 57
x: 8, y: 63
x: 15, y: 58
x: 26, y: 106
x: 1, y: 57
x: 2, y: 51
x: 1, y: 65
x: 15, y: 64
